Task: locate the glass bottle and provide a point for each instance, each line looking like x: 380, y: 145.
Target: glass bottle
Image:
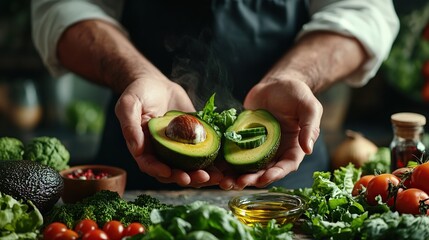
x: 407, y: 145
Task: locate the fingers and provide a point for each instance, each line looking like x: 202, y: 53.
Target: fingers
x: 309, y: 121
x: 128, y: 111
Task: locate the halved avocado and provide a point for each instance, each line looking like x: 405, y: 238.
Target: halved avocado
x: 186, y: 156
x: 253, y: 159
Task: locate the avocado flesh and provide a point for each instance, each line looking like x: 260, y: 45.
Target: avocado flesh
x: 255, y: 159
x: 31, y: 181
x: 180, y: 155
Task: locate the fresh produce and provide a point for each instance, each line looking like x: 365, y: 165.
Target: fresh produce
x: 134, y: 229
x: 103, y: 207
x: 382, y: 185
x: 186, y: 153
x: 420, y: 177
x: 88, y: 229
x: 412, y: 201
x: 191, y: 141
x: 354, y: 149
x: 219, y: 121
x: 31, y: 181
x: 11, y: 148
x: 48, y: 151
x: 257, y: 134
x: 405, y: 175
x: 392, y: 225
x: 53, y: 229
x: 361, y: 184
x: 18, y: 219
x: 378, y: 163
x: 85, y: 225
x: 114, y: 229
x: 201, y: 220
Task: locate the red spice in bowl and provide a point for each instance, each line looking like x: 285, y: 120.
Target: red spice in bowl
x: 85, y: 180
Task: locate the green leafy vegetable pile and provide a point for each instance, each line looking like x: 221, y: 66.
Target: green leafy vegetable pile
x: 18, y: 220
x: 201, y: 220
x: 333, y: 213
x: 104, y: 206
x: 11, y: 149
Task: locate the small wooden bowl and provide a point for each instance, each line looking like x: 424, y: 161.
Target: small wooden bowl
x: 77, y: 189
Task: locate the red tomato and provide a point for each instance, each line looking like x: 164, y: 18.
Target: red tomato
x: 405, y: 175
x: 96, y: 234
x: 67, y: 235
x: 53, y: 229
x: 85, y: 225
x: 361, y: 183
x: 420, y: 177
x: 114, y: 229
x: 379, y: 185
x: 133, y: 229
x: 408, y: 201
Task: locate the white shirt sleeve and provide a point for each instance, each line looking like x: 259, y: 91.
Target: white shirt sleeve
x: 51, y: 17
x: 373, y: 22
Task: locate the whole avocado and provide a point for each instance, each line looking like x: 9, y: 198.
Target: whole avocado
x: 32, y: 181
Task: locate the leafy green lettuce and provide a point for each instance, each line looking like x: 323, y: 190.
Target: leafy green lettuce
x: 18, y: 220
x: 202, y: 221
x: 219, y: 121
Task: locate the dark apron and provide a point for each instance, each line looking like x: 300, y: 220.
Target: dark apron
x: 207, y: 46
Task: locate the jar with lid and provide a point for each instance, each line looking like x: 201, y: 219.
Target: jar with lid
x: 407, y: 145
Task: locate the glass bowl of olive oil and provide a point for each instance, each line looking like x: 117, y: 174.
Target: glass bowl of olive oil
x: 260, y: 208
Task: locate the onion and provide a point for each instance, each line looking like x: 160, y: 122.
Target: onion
x: 354, y: 149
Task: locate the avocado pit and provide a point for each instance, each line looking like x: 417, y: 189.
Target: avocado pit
x: 186, y: 129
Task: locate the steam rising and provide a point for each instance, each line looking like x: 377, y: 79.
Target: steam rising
x: 198, y: 69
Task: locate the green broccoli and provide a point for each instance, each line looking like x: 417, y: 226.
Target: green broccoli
x: 104, y: 206
x: 11, y: 149
x: 48, y: 151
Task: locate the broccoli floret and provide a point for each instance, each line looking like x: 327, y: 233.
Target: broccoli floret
x: 11, y: 149
x: 48, y: 151
x: 104, y: 206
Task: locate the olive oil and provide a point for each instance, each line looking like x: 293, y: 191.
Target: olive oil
x: 253, y: 210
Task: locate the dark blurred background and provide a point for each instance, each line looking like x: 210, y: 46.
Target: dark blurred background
x: 32, y: 103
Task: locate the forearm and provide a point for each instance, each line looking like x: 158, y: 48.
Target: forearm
x: 99, y: 52
x: 319, y: 59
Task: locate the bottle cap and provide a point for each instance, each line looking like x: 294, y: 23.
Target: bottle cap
x: 408, y: 119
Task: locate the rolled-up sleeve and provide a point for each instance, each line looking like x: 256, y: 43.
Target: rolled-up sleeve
x: 373, y: 22
x: 51, y: 17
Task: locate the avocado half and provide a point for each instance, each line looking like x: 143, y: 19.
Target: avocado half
x: 254, y: 159
x: 185, y: 156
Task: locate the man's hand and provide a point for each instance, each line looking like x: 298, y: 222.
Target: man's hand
x: 142, y: 100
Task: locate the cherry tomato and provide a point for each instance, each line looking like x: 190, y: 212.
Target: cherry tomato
x: 85, y: 225
x: 420, y: 177
x: 408, y: 201
x: 133, y: 229
x: 379, y: 185
x: 67, y: 235
x: 404, y: 174
x: 53, y: 229
x: 362, y: 182
x: 96, y: 234
x: 114, y: 229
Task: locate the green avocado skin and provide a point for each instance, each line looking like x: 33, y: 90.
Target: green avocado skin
x: 31, y: 181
